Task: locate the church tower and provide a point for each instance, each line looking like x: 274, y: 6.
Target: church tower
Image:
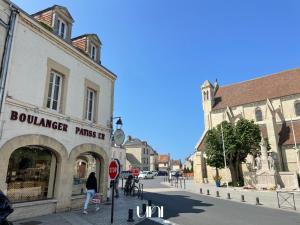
x: 208, y: 94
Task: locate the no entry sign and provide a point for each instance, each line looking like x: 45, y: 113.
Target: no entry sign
x: 114, y: 169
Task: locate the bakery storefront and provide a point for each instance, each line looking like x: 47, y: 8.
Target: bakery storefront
x: 41, y: 173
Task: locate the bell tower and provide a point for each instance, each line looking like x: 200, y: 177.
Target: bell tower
x: 208, y: 94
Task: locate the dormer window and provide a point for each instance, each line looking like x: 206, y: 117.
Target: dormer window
x: 62, y: 28
x: 93, y: 52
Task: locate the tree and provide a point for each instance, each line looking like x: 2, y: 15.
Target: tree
x: 240, y: 140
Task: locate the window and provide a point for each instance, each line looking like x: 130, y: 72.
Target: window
x: 54, y: 91
x: 61, y: 28
x: 258, y: 115
x: 297, y: 108
x: 90, y: 106
x: 31, y: 174
x: 93, y: 52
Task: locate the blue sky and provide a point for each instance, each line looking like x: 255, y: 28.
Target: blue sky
x: 162, y: 51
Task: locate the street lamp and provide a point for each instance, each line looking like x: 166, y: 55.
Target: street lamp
x: 224, y: 155
x: 117, y: 136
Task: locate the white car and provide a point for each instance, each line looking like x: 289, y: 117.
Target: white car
x: 146, y: 175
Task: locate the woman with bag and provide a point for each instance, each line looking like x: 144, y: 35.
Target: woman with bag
x: 91, y: 186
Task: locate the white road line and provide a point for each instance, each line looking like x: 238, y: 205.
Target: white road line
x: 162, y: 221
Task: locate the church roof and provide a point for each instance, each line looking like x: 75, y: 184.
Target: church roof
x: 272, y: 86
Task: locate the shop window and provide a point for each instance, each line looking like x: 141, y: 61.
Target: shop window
x: 84, y: 165
x: 31, y: 174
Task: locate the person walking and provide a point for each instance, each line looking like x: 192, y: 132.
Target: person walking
x: 91, y: 186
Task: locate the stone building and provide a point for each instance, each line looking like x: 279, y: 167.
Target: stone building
x: 138, y: 153
x: 120, y: 154
x: 153, y: 160
x: 164, y: 162
x: 272, y: 101
x: 56, y: 115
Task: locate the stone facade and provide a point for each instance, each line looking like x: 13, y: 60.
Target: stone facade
x: 64, y: 131
x: 271, y: 101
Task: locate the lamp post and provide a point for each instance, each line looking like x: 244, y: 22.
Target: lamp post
x: 295, y: 147
x: 224, y: 155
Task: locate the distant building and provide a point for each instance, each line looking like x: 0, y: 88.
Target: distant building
x: 153, y: 160
x: 138, y: 153
x: 164, y: 162
x: 175, y: 165
x: 188, y: 163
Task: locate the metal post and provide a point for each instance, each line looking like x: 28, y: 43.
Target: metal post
x: 142, y: 195
x: 242, y: 198
x: 144, y: 208
x: 149, y: 203
x: 180, y: 183
x: 208, y: 192
x: 184, y: 183
x: 201, y: 192
x: 112, y: 203
x: 224, y: 155
x: 228, y: 195
x: 130, y: 215
x: 257, y: 201
x: 217, y: 194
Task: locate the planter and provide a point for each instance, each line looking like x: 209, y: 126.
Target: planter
x: 218, y: 183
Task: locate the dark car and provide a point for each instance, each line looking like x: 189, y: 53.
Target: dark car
x: 162, y: 173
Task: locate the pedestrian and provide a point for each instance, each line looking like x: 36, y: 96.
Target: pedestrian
x: 91, y: 186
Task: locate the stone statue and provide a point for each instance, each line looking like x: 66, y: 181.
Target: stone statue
x: 271, y: 163
x: 258, y: 162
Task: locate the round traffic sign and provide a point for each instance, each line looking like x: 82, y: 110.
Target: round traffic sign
x: 113, y: 169
x: 135, y: 172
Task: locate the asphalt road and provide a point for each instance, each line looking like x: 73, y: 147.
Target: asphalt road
x: 186, y: 208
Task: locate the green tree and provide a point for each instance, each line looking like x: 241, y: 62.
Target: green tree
x: 240, y: 140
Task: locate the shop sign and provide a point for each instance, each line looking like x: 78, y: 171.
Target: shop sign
x: 51, y: 124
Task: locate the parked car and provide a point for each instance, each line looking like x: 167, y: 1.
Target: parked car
x: 146, y: 175
x: 125, y: 174
x: 155, y: 173
x: 162, y: 173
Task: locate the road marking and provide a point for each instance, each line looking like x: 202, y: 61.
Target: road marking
x: 157, y: 190
x: 162, y: 221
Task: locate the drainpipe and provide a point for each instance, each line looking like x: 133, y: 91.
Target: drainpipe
x: 5, y: 60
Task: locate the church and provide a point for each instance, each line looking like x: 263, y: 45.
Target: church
x: 272, y: 102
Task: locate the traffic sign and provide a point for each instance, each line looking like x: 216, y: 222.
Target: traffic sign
x: 114, y: 169
x: 135, y: 172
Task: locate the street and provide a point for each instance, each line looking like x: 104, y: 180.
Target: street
x: 184, y: 208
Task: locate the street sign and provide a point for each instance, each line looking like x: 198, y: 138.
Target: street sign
x: 135, y: 172
x: 114, y: 169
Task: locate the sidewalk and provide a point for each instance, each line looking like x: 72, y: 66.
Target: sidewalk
x: 266, y: 198
x: 102, y: 217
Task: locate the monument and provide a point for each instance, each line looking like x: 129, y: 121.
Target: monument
x: 266, y: 174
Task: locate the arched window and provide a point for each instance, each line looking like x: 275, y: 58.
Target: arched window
x: 297, y: 108
x: 258, y: 115
x: 204, y: 95
x: 31, y: 174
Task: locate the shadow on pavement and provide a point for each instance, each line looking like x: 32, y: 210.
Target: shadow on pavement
x: 176, y: 204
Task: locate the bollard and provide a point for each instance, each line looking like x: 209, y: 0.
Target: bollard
x: 130, y: 215
x: 228, y: 195
x: 180, y: 183
x: 144, y: 206
x: 184, y: 183
x: 122, y: 184
x: 201, y: 192
x: 257, y: 201
x: 242, y: 198
x: 142, y: 194
x: 218, y: 194
x: 207, y: 191
x: 149, y: 203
